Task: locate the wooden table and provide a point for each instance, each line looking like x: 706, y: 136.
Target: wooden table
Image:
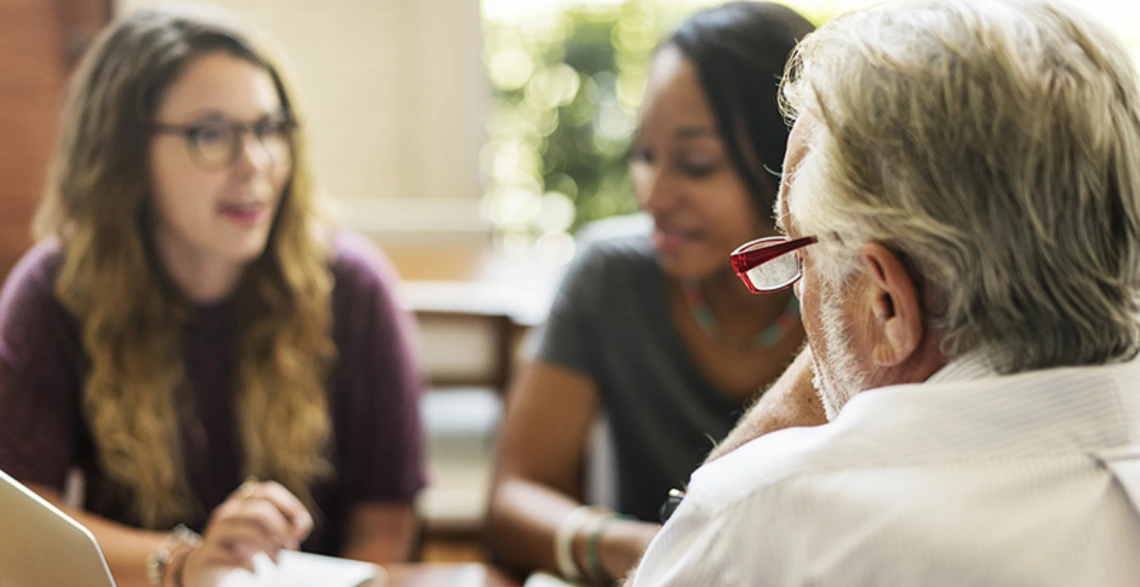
x: 447, y: 575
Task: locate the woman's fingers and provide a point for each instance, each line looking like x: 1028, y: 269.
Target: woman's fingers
x: 224, y: 555
x: 258, y: 517
x: 249, y: 526
x: 268, y: 517
x: 301, y: 522
x: 243, y: 538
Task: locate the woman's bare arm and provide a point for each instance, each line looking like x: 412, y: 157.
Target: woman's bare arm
x: 381, y: 533
x: 538, y: 474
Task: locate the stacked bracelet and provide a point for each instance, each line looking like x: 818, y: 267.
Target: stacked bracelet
x: 158, y: 562
x: 593, y: 556
x: 564, y: 539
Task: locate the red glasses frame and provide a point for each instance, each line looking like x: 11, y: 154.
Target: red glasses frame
x: 753, y: 254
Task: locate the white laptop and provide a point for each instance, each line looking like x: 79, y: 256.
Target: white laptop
x: 40, y: 545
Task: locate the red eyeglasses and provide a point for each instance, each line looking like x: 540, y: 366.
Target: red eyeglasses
x: 770, y: 264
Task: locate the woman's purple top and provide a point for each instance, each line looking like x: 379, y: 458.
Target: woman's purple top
x: 377, y: 446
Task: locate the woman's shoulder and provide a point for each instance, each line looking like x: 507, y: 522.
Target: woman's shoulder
x: 620, y: 251
x: 33, y: 322
x: 358, y: 263
x: 612, y: 272
x: 34, y: 275
x: 615, y: 255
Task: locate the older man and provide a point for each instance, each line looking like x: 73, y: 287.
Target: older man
x: 962, y: 210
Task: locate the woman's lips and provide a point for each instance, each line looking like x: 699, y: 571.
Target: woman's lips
x: 246, y: 215
x: 671, y: 241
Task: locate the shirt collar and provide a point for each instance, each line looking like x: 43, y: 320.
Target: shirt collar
x: 968, y: 367
x: 1033, y: 411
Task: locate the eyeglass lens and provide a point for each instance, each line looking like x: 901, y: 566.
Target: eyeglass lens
x: 220, y: 145
x: 775, y: 273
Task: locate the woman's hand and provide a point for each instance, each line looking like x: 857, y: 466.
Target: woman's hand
x: 259, y: 517
x: 622, y: 545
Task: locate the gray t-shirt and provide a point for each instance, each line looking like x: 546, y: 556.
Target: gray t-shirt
x: 611, y: 322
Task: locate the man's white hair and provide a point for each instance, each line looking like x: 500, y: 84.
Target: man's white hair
x: 994, y: 145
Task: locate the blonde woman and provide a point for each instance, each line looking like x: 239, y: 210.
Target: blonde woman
x: 186, y: 323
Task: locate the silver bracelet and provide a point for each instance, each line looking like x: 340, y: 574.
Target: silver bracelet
x: 159, y: 560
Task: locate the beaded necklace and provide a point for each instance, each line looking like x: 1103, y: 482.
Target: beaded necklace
x: 770, y: 336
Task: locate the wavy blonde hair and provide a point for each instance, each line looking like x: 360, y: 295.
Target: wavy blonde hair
x: 97, y: 203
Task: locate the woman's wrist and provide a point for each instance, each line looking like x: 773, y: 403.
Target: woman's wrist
x: 170, y: 555
x: 591, y: 555
x: 568, y: 540
x: 175, y: 571
x: 622, y: 543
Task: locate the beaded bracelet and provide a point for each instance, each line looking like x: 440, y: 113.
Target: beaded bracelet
x: 159, y: 560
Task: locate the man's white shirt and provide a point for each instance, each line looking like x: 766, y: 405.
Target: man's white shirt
x: 968, y: 479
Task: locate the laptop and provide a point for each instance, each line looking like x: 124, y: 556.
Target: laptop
x: 40, y: 545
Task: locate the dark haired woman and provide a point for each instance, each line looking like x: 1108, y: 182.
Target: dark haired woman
x: 655, y: 331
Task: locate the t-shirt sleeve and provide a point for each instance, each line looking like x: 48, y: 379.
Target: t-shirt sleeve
x: 379, y: 433
x: 569, y: 337
x: 39, y: 379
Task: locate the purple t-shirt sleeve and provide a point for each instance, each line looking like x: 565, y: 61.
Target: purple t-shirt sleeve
x: 376, y: 399
x: 39, y: 390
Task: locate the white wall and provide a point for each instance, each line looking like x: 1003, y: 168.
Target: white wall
x: 397, y: 98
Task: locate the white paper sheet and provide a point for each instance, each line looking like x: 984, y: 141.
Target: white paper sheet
x: 298, y: 569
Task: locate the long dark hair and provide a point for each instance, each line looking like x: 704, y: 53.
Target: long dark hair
x: 740, y: 50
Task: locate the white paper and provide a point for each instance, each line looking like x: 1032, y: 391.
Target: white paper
x: 541, y: 579
x: 298, y: 569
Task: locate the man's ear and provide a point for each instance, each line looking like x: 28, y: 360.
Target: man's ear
x: 895, y: 308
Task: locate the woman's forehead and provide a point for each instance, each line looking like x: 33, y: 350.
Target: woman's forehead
x: 222, y: 84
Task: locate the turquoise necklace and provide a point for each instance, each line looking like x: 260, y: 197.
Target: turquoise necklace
x: 772, y: 335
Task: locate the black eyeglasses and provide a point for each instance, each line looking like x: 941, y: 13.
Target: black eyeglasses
x: 217, y: 146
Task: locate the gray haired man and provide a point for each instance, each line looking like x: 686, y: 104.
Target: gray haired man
x: 961, y: 204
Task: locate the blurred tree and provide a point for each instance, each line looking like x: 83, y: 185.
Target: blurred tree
x: 565, y: 108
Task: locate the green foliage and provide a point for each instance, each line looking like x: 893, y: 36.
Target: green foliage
x: 567, y: 90
x: 564, y: 115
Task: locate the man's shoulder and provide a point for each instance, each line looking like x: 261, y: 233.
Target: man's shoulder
x: 908, y: 484
x: 735, y: 526
x: 796, y: 469
x: 761, y: 468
